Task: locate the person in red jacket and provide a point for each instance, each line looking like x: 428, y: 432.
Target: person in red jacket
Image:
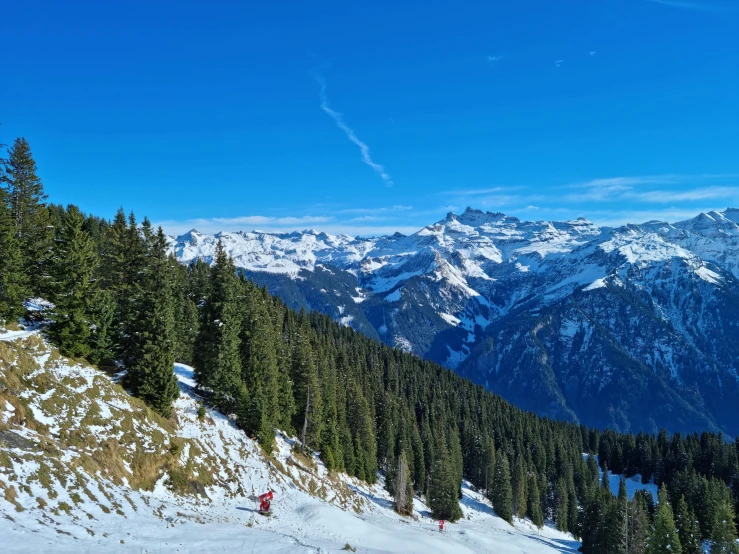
x: 265, y: 502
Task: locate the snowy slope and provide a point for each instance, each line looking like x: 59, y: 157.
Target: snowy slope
x: 86, y: 468
x: 565, y: 318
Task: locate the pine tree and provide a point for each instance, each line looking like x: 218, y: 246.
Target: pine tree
x: 622, y: 519
x: 560, y: 501
x: 151, y: 373
x: 723, y: 537
x: 687, y: 528
x: 443, y: 499
x: 25, y: 194
x: 533, y: 505
x: 13, y: 278
x: 502, y: 493
x: 307, y: 390
x: 638, y: 526
x: 663, y: 536
x: 258, y: 369
x: 73, y: 264
x: 102, y: 315
x: 518, y: 488
x: 217, y: 362
x: 402, y: 486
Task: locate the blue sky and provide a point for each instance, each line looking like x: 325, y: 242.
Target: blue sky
x: 373, y: 117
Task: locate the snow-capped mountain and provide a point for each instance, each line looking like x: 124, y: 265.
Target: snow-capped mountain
x: 633, y: 327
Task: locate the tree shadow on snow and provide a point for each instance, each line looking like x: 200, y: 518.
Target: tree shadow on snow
x: 379, y: 501
x: 474, y: 504
x: 560, y: 545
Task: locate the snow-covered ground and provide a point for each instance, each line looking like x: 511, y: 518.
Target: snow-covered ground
x: 80, y: 470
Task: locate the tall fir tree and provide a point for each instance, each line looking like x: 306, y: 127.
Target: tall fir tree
x: 217, y: 359
x: 151, y: 372
x: 723, y: 536
x: 561, y: 506
x: 26, y: 199
x: 13, y: 278
x: 259, y: 414
x: 638, y: 525
x: 502, y: 495
x: 402, y: 486
x: 73, y: 266
x: 518, y: 487
x: 533, y: 504
x: 687, y: 528
x: 442, y: 496
x: 663, y: 536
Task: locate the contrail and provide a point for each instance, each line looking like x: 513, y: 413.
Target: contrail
x: 363, y: 148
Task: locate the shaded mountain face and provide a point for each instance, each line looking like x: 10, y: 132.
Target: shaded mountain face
x: 634, y: 328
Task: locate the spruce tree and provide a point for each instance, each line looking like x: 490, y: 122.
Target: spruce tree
x: 217, y: 361
x: 13, y: 278
x: 259, y: 415
x: 308, y: 405
x: 638, y: 525
x: 402, y: 486
x: 73, y: 265
x: 560, y: 502
x: 687, y: 528
x: 502, y: 493
x: 151, y: 373
x: 621, y: 515
x: 442, y: 496
x: 663, y: 536
x: 723, y: 536
x: 533, y: 505
x: 518, y: 488
x: 25, y: 194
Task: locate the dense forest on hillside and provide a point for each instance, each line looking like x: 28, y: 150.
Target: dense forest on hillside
x: 122, y: 301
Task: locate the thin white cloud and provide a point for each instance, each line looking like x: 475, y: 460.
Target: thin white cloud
x: 668, y: 196
x: 495, y: 59
x: 351, y: 135
x: 479, y: 192
x: 633, y: 188
x: 558, y: 63
x: 395, y: 208
x: 593, y: 53
x: 695, y: 5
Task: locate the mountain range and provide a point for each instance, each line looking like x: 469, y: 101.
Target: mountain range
x: 632, y: 328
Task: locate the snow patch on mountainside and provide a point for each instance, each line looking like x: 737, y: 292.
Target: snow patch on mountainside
x: 93, y: 470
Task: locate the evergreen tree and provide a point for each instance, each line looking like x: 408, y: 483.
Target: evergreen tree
x: 217, y: 361
x: 25, y: 195
x: 13, y: 278
x: 402, y: 486
x: 562, y: 509
x: 502, y: 493
x: 307, y: 390
x: 723, y: 537
x: 151, y: 373
x: 443, y: 499
x: 258, y: 369
x: 73, y: 264
x: 687, y: 528
x: 518, y: 488
x: 638, y: 526
x: 102, y: 315
x: 533, y: 505
x: 621, y: 514
x: 663, y: 536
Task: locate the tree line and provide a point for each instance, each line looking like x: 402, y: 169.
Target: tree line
x: 122, y: 301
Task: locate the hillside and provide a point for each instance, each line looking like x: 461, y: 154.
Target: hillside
x: 85, y: 467
x: 567, y: 319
